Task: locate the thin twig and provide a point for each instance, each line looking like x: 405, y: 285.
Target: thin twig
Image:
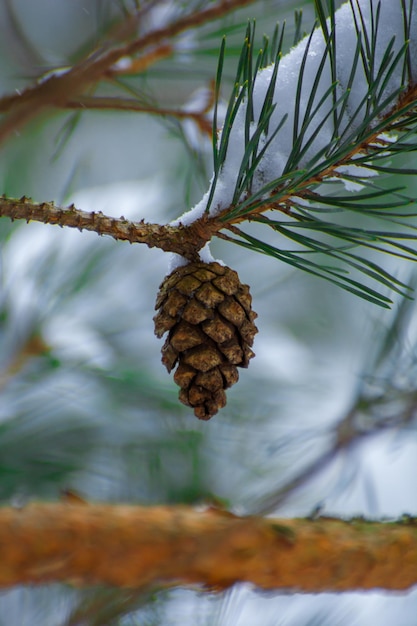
x: 347, y: 434
x: 34, y: 346
x: 130, y: 104
x: 143, y: 63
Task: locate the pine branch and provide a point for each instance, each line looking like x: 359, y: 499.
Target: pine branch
x: 131, y: 546
x: 336, y: 124
x: 183, y: 240
x: 101, y: 103
x: 61, y: 87
x: 355, y: 146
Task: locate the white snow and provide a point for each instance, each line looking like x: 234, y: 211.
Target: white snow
x: 122, y: 65
x: 366, y: 16
x: 175, y: 261
x: 206, y: 256
x: 194, y: 214
x: 355, y: 171
x: 199, y: 100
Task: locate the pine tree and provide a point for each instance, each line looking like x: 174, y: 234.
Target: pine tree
x: 304, y: 161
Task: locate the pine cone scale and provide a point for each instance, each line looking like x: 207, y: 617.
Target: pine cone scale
x: 229, y: 283
x: 188, y: 284
x: 230, y: 374
x: 211, y: 380
x: 203, y: 358
x: 186, y: 336
x: 184, y: 374
x: 174, y: 303
x: 208, y: 315
x: 169, y: 356
x: 232, y: 311
x: 209, y: 295
x: 232, y: 351
x: 218, y: 329
x: 195, y: 312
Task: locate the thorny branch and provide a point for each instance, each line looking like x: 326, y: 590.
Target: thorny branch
x: 185, y: 241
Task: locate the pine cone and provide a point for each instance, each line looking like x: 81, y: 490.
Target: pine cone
x: 208, y: 314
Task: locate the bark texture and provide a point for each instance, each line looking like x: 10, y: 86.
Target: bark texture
x: 130, y: 546
x: 182, y: 240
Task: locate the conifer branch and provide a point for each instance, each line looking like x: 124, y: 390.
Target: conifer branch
x: 61, y: 87
x: 349, y: 155
x: 184, y: 240
x: 109, y: 103
x: 280, y: 154
x: 132, y: 546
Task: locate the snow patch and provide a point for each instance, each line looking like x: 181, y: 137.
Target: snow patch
x: 193, y: 214
x: 310, y: 60
x: 356, y: 171
x: 175, y: 261
x: 305, y: 77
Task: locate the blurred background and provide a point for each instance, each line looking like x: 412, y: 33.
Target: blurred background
x: 325, y: 416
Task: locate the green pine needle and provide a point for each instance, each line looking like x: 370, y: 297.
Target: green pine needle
x: 301, y: 190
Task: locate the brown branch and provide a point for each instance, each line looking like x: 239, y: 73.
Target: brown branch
x: 143, y: 63
x: 186, y: 241
x: 131, y: 546
x: 59, y: 88
x: 111, y: 103
x: 183, y: 240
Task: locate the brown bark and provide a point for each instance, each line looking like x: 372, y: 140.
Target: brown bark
x: 182, y: 240
x: 130, y: 546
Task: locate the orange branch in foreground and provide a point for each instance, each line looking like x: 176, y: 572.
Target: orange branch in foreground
x: 130, y: 546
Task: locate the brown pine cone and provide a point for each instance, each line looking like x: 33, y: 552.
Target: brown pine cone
x: 208, y: 314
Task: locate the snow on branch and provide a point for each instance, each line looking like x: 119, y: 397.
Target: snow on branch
x: 333, y: 110
x: 307, y: 108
